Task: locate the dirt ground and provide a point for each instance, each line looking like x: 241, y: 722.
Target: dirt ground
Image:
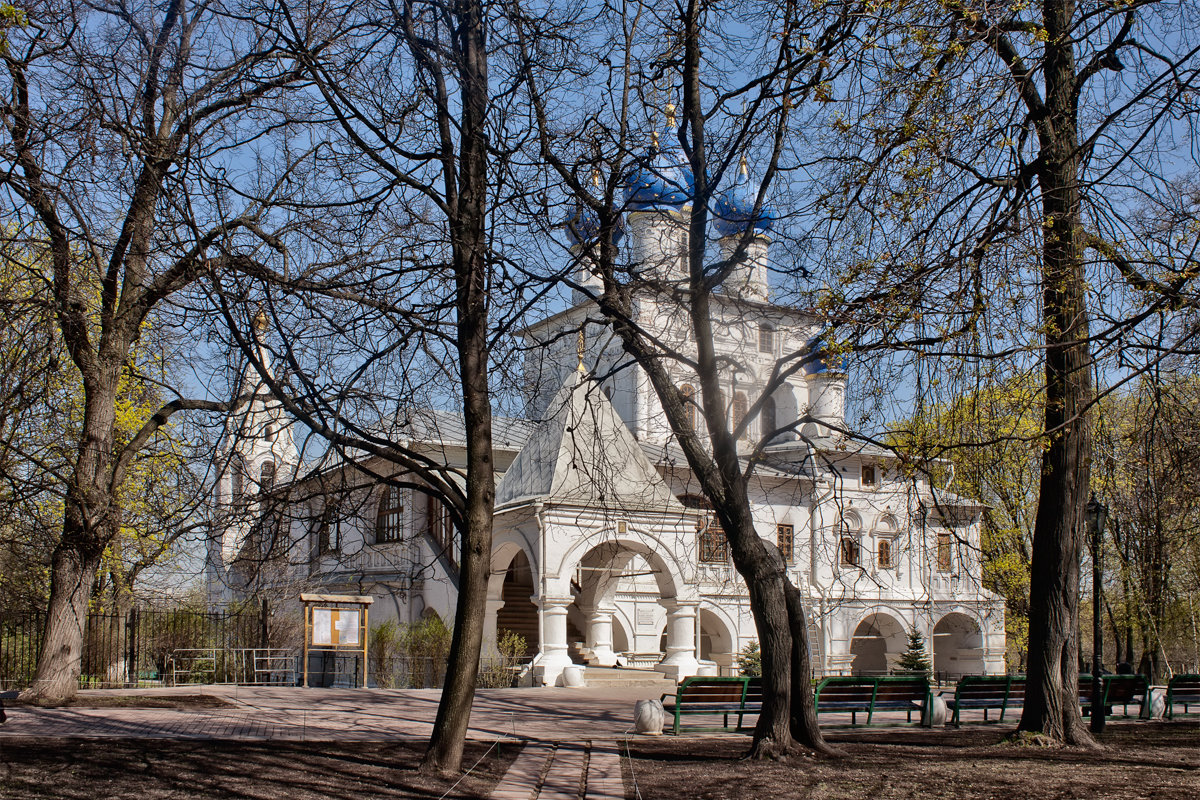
x: 1158, y: 761
x: 156, y: 769
x: 93, y: 700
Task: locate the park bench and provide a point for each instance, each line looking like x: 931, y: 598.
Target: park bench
x: 987, y: 692
x: 1119, y: 690
x: 704, y: 696
x: 868, y: 695
x: 1183, y: 690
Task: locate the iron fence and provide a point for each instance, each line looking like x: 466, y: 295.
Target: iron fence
x: 136, y: 648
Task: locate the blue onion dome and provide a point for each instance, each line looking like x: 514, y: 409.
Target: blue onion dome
x: 662, y: 179
x: 822, y: 361
x: 734, y: 211
x: 582, y: 223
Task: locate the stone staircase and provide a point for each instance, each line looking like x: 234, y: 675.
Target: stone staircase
x: 612, y: 677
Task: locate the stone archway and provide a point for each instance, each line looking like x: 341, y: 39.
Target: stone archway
x: 957, y: 646
x: 512, y: 586
x: 717, y: 640
x: 651, y: 588
x: 877, y: 642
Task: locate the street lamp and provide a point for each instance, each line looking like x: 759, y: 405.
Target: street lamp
x: 1097, y: 516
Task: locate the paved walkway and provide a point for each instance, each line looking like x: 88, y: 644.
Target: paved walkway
x: 264, y: 713
x: 571, y: 733
x: 564, y: 772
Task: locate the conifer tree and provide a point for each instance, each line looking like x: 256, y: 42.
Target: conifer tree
x: 915, y: 659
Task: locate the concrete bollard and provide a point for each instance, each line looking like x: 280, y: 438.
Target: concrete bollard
x: 649, y: 717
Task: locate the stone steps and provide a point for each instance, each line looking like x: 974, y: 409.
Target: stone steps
x: 609, y: 677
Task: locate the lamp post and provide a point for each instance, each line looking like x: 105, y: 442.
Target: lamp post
x: 1097, y: 515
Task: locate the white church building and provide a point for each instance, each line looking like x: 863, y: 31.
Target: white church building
x: 604, y: 552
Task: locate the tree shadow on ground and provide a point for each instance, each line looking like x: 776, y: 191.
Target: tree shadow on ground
x: 156, y: 769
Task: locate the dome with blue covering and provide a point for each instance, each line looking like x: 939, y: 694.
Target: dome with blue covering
x: 822, y: 361
x: 582, y: 224
x: 661, y: 180
x: 734, y: 214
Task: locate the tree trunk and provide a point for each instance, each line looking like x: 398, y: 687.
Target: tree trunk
x: 805, y: 728
x: 72, y: 574
x: 1052, y: 692
x: 469, y: 243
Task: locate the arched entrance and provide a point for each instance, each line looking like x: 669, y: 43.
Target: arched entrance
x: 957, y: 646
x: 626, y: 577
x: 878, y: 641
x: 716, y: 640
x: 518, y: 613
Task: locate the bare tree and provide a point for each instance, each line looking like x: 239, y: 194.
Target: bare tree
x: 994, y: 163
x: 712, y: 72
x: 119, y: 125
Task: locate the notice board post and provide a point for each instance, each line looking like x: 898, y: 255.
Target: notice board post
x: 336, y: 623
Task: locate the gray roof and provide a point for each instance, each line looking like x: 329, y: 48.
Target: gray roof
x: 583, y: 453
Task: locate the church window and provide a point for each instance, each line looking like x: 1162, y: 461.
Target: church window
x: 740, y: 407
x: 785, y: 536
x: 766, y: 338
x: 714, y: 549
x: 389, y: 521
x: 884, y: 555
x: 869, y: 476
x: 849, y: 555
x: 266, y: 477
x: 944, y: 552
x: 442, y: 529
x: 769, y: 421
x: 329, y: 530
x: 687, y: 393
x: 269, y: 433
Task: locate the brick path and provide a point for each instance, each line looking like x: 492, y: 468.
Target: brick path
x: 552, y: 715
x: 557, y: 764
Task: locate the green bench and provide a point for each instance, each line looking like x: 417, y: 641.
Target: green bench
x: 1118, y: 690
x: 868, y: 695
x: 1183, y: 690
x: 713, y: 697
x: 987, y: 692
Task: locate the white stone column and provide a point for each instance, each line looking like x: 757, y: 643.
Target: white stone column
x: 680, y: 660
x: 548, y: 665
x: 599, y: 634
x: 491, y: 632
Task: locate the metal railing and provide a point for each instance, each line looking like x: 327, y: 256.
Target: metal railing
x: 244, y: 666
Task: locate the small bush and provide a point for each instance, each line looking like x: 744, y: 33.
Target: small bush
x: 749, y: 660
x: 497, y: 672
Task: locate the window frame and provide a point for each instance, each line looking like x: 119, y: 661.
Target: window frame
x: 874, y: 472
x: 890, y: 561
x: 849, y: 544
x: 766, y: 338
x: 786, y: 531
x: 389, y: 519
x: 944, y: 551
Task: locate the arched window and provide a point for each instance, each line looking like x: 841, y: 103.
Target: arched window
x: 848, y: 550
x: 769, y: 421
x: 766, y: 338
x: 688, y: 393
x: 713, y: 546
x: 389, y: 521
x: 884, y: 556
x: 266, y: 477
x: 945, y: 552
x: 442, y: 529
x: 740, y: 406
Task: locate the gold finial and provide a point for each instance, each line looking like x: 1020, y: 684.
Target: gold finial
x: 670, y: 111
x: 260, y: 321
x: 596, y: 177
x: 580, y: 346
x: 654, y: 139
x: 743, y: 167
